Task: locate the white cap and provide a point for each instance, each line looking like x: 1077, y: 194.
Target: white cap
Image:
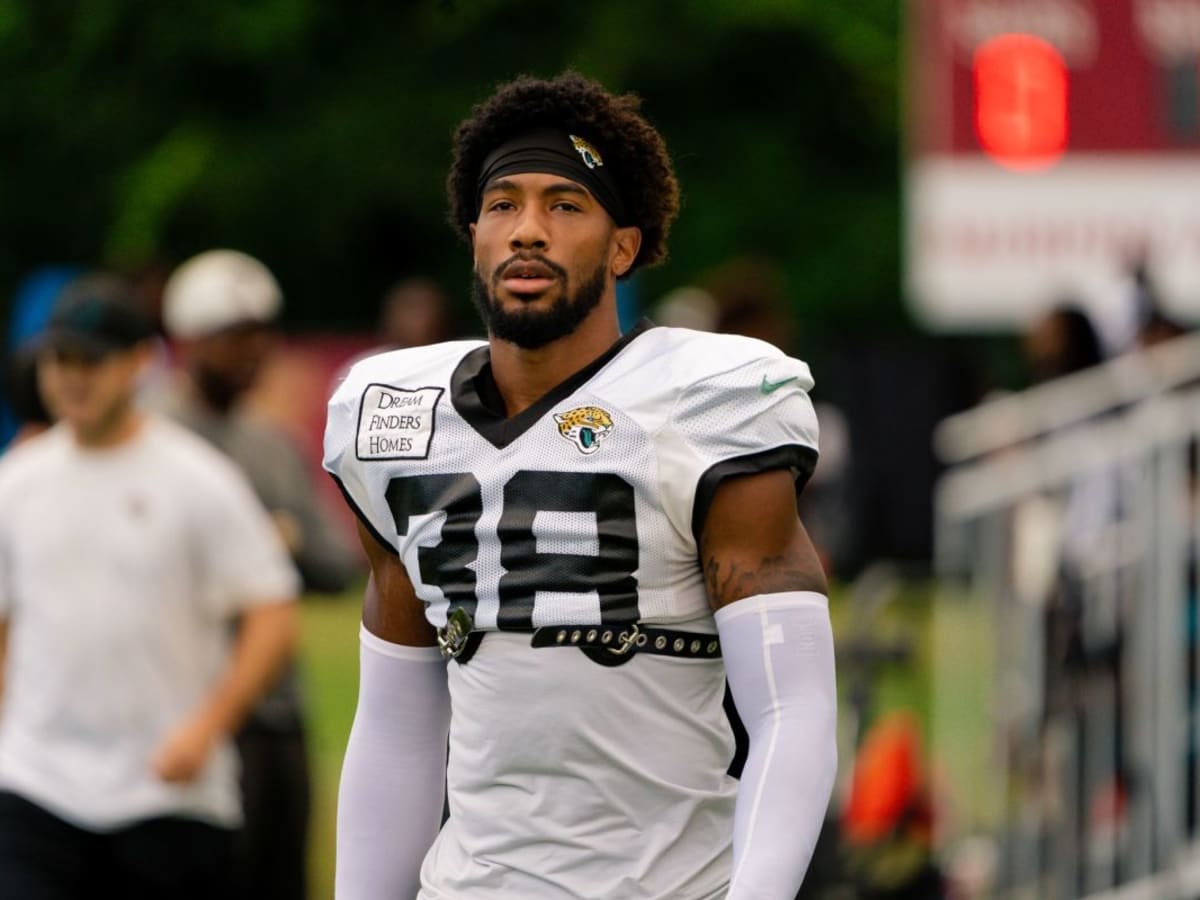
x: 217, y: 289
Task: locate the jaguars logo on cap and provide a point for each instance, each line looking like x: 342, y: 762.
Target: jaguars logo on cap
x: 591, y: 158
x: 585, y: 427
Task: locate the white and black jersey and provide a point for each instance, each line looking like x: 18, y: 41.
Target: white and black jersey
x: 568, y: 778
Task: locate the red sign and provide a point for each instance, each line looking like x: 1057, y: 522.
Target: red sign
x: 1020, y: 101
x: 1038, y: 130
x: 1133, y: 68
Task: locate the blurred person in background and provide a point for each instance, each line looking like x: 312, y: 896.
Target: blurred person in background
x: 887, y: 824
x: 1129, y: 313
x: 1061, y: 342
x: 1154, y: 324
x: 219, y: 309
x: 414, y: 312
x: 128, y: 549
x: 1072, y: 537
x: 686, y: 307
x: 752, y: 300
x: 34, y: 299
x: 27, y: 409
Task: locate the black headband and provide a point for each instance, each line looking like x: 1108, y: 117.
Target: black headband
x: 559, y: 153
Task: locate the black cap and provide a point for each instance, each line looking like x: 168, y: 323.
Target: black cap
x: 96, y: 316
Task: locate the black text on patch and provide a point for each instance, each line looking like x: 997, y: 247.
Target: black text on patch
x: 396, y: 423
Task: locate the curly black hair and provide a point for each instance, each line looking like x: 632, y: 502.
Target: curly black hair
x: 630, y: 145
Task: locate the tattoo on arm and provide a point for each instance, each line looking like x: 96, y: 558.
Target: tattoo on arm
x: 754, y: 543
x: 729, y: 581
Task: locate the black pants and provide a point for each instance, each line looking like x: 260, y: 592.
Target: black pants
x: 272, y: 846
x: 44, y: 858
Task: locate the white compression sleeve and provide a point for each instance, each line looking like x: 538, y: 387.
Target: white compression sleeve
x: 778, y: 651
x: 393, y: 776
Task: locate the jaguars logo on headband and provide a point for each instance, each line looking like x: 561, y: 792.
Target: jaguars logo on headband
x: 585, y: 427
x: 591, y: 158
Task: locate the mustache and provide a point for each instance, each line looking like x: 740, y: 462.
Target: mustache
x: 528, y: 257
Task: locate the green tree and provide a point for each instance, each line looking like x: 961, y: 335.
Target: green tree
x: 316, y: 135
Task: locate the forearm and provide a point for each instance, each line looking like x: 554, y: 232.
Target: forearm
x: 266, y: 640
x: 393, y: 777
x: 778, y: 651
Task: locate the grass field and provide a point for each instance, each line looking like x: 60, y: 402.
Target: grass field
x: 330, y: 665
x: 942, y: 681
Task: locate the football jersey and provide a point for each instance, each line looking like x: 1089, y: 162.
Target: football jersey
x: 567, y: 778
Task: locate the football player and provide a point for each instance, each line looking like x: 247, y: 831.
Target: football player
x: 576, y: 536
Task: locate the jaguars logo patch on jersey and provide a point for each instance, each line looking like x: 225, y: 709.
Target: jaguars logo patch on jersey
x: 585, y: 427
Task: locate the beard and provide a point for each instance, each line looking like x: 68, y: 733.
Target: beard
x: 530, y: 329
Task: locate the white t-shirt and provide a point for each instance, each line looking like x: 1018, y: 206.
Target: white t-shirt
x: 568, y: 778
x: 121, y: 571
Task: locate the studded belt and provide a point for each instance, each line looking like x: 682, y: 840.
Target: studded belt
x: 612, y: 645
x: 608, y: 645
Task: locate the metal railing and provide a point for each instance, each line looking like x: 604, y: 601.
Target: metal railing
x: 1067, y: 526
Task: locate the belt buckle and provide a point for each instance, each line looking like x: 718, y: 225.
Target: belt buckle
x: 452, y: 638
x: 627, y: 640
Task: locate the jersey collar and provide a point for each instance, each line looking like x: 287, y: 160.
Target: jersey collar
x: 476, y: 397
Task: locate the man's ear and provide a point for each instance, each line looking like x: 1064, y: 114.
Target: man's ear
x: 626, y: 244
x: 471, y: 228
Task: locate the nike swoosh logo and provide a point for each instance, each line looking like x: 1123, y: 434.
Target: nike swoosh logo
x: 769, y: 387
